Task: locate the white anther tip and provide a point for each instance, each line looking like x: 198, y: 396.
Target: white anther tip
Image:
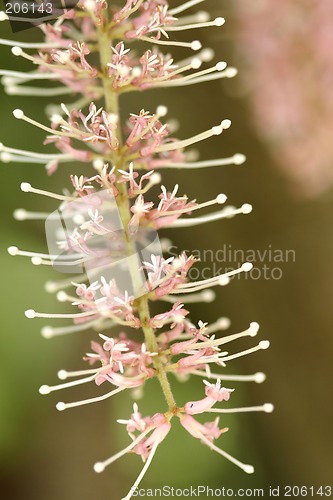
x: 224, y: 280
x: 61, y: 406
x: 98, y: 164
x: 239, y: 159
x: 247, y: 266
x: 196, y: 63
x: 62, y: 296
x: 47, y: 332
x: 5, y: 157
x: 249, y: 469
x: 225, y: 124
x: 12, y: 250
x: 221, y: 198
x: 208, y: 296
x: 219, y: 21
x: 259, y: 377
x: 20, y: 214
x: 3, y: 16
x: 202, y: 16
x: 44, y: 389
x: 99, y: 467
x: 36, y: 261
x: 224, y: 323
x: 207, y: 54
x: 62, y: 374
x: 246, y: 208
x: 264, y: 344
x: 268, y: 408
x: 231, y: 72
x: 161, y: 110
x: 156, y: 178
x: 220, y: 66
x: 254, y: 328
x: 25, y: 187
x: 30, y: 313
x: 136, y: 72
x: 16, y: 51
x: 217, y: 130
x: 18, y: 113
x: 50, y: 286
x: 177, y: 263
x: 196, y: 45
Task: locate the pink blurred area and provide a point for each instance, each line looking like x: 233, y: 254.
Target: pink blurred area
x: 286, y: 59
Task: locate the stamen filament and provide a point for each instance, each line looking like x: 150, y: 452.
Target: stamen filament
x: 27, y: 188
x: 100, y: 466
x: 64, y: 406
x: 195, y: 45
x: 49, y: 331
x: 249, y: 469
x: 172, y: 146
x: 237, y: 159
x: 64, y: 374
x: 258, y: 377
x: 250, y: 332
x: 38, y: 91
x: 46, y: 389
x: 219, y: 21
x: 264, y: 344
x: 143, y: 472
x: 226, y: 212
x: 184, y: 6
x: 28, y: 45
x: 267, y: 408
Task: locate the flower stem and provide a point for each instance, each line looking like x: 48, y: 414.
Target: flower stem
x: 112, y: 106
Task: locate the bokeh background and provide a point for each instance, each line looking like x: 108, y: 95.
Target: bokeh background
x: 46, y: 454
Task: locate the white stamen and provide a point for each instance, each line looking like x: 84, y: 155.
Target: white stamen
x: 221, y: 280
x: 264, y: 344
x: 258, y: 377
x: 237, y: 159
x: 64, y: 374
x: 27, y: 188
x: 250, y: 332
x: 37, y: 91
x: 143, y: 472
x: 46, y: 389
x: 184, y: 6
x: 100, y: 466
x: 22, y: 214
x: 49, y: 331
x: 206, y: 296
x: 267, y: 408
x: 192, y: 140
x: 64, y: 406
x: 209, y: 77
x: 227, y: 212
x: 30, y: 313
x: 249, y: 469
x: 219, y: 21
x: 195, y: 45
x: 27, y: 45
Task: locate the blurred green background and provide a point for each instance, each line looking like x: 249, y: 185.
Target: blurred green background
x: 46, y: 454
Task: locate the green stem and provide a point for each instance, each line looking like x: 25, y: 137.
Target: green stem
x: 112, y: 106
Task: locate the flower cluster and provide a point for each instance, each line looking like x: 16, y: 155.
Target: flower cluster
x: 112, y: 213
